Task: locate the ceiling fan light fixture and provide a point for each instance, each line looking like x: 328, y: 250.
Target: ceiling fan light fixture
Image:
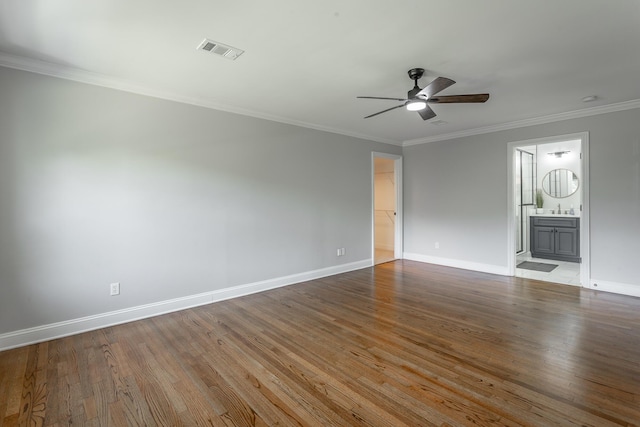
x: 417, y: 99
x: 416, y: 105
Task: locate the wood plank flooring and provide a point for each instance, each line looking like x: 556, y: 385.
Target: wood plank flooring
x: 399, y: 344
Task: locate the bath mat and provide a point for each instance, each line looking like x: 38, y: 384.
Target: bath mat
x: 537, y: 266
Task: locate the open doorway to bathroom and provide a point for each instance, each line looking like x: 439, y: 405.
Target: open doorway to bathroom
x: 548, y: 214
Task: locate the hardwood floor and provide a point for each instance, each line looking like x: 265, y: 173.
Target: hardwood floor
x: 403, y: 343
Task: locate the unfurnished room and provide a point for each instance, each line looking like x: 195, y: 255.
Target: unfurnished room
x: 335, y: 213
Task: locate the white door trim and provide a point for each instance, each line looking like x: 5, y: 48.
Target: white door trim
x: 585, y: 252
x: 398, y: 232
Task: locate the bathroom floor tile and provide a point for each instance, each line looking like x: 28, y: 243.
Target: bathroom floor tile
x: 567, y: 273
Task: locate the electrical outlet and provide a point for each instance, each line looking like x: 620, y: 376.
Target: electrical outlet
x: 342, y: 251
x: 338, y: 252
x: 437, y: 245
x: 114, y: 289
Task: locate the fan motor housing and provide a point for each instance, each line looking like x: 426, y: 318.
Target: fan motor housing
x: 413, y: 92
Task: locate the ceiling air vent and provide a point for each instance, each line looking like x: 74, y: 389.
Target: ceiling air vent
x: 220, y: 49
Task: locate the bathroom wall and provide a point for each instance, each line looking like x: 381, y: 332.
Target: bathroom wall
x: 570, y: 161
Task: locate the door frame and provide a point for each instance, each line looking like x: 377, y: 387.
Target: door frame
x: 398, y: 235
x: 585, y: 252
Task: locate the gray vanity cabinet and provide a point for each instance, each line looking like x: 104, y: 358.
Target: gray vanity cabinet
x: 555, y: 238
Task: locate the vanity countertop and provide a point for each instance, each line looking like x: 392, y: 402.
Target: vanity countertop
x: 577, y: 215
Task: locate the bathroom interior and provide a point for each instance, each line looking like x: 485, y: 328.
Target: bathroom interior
x: 548, y: 207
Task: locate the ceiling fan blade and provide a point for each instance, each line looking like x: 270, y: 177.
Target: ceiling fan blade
x: 440, y: 83
x: 427, y: 113
x: 384, y: 111
x: 379, y: 97
x: 478, y: 97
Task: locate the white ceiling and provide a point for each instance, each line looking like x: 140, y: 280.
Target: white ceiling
x: 306, y: 61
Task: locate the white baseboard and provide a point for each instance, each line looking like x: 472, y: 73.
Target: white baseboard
x: 595, y: 284
x: 75, y: 326
x: 616, y: 288
x: 456, y: 263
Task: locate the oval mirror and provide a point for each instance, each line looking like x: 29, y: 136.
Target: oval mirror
x: 560, y: 183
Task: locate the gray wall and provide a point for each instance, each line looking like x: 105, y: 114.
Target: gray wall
x: 456, y: 193
x: 170, y: 200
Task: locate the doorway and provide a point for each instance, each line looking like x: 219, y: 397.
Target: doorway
x: 387, y: 218
x: 549, y: 242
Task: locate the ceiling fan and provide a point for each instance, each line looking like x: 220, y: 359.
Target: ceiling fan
x: 417, y: 99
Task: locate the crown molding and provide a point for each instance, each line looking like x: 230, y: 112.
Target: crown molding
x: 96, y: 79
x: 621, y: 106
x: 88, y: 77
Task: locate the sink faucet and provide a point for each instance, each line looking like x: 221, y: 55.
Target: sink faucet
x: 559, y: 211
